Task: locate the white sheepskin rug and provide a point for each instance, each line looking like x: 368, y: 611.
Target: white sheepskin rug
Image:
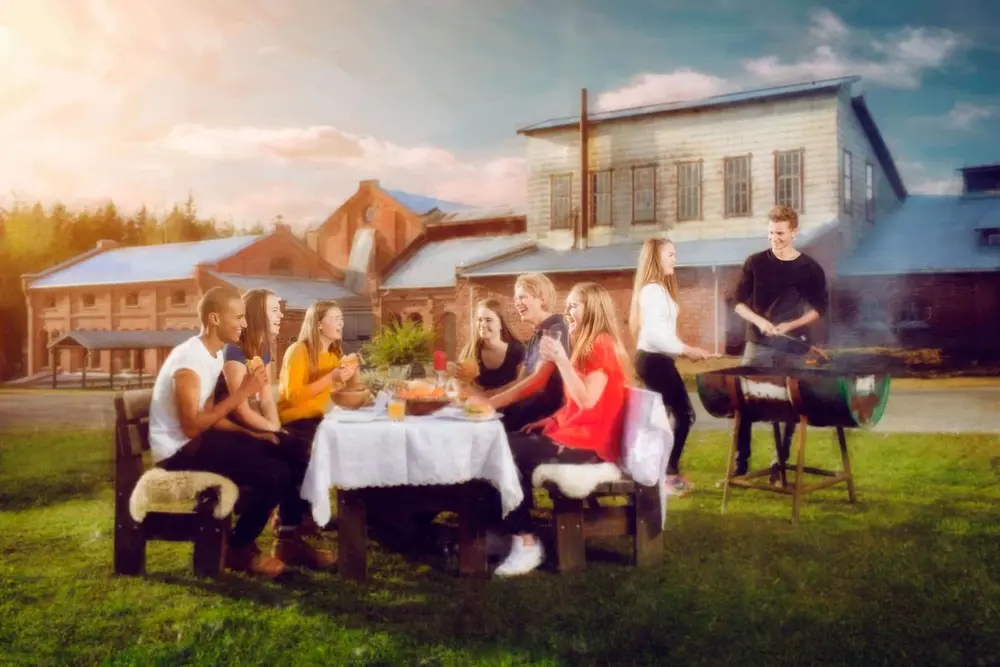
x: 176, y: 492
x: 576, y: 480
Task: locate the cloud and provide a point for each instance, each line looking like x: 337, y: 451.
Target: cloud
x: 676, y: 86
x: 897, y: 59
x: 963, y: 115
x: 924, y: 180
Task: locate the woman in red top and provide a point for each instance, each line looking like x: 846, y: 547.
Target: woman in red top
x: 588, y: 427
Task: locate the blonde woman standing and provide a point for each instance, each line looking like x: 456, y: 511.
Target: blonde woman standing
x: 653, y: 322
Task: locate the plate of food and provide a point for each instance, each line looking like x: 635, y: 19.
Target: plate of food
x: 478, y: 410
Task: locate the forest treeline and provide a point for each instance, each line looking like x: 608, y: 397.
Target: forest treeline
x: 34, y: 237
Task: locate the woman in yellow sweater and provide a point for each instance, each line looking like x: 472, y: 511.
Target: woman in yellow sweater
x: 312, y: 370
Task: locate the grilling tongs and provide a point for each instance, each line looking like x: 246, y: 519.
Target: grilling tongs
x: 825, y: 356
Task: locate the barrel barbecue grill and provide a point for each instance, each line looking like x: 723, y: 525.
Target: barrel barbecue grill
x: 823, y: 393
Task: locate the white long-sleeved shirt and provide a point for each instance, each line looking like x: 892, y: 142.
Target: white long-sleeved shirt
x: 658, y: 322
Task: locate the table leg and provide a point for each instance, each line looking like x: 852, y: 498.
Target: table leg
x: 845, y: 457
x: 352, y: 535
x: 472, y: 559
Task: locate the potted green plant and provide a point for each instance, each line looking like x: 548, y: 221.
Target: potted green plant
x: 401, y: 347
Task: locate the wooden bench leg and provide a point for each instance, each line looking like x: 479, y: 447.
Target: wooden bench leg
x: 472, y: 558
x: 648, y: 527
x: 210, y: 540
x: 129, y: 549
x: 352, y: 535
x: 130, y: 540
x: 567, y: 522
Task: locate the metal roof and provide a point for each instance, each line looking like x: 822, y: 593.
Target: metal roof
x: 297, y: 293
x: 150, y: 263
x: 435, y: 264
x: 483, y: 213
x: 756, y: 95
x: 422, y: 205
x: 928, y: 234
x: 622, y: 257
x: 123, y: 340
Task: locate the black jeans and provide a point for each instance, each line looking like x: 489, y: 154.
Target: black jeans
x: 267, y: 474
x: 763, y: 356
x: 531, y: 451
x: 659, y: 373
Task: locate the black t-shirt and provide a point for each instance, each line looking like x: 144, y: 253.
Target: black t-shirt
x: 506, y: 372
x: 782, y: 290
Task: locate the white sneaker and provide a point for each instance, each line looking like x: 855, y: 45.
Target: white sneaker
x: 522, y: 559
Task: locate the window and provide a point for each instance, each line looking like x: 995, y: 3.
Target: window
x: 989, y: 236
x: 94, y: 360
x: 50, y: 302
x: 178, y: 298
x: 736, y: 175
x: 560, y: 201
x: 644, y: 194
x: 88, y: 300
x: 848, y: 184
x: 132, y: 299
x: 601, y: 186
x: 689, y: 190
x: 788, y: 178
x: 869, y: 192
x: 281, y: 266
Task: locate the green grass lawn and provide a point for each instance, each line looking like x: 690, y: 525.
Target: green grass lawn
x: 910, y: 575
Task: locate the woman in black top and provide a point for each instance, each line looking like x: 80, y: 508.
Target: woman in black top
x: 493, y: 345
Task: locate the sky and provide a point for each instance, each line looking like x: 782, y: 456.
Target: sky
x: 259, y: 108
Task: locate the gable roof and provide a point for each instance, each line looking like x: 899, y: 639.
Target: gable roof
x: 739, y: 97
x: 435, y: 264
x: 928, y: 234
x: 422, y: 205
x: 878, y: 145
x: 149, y: 263
x: 297, y: 293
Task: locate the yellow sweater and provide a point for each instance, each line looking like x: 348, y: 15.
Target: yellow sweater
x: 294, y: 401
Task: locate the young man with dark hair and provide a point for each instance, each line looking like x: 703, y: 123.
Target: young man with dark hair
x: 781, y: 292
x: 189, y: 431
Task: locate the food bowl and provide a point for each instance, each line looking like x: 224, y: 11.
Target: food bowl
x: 350, y: 399
x: 418, y: 407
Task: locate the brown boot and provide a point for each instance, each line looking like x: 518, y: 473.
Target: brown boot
x: 296, y: 552
x: 251, y: 561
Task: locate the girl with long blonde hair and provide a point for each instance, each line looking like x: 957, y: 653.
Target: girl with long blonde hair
x: 653, y: 321
x: 588, y: 427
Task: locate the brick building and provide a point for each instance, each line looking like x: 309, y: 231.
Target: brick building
x: 114, y: 310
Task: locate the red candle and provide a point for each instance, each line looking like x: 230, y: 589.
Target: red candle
x: 440, y: 361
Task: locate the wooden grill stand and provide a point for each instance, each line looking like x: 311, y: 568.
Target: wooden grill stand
x: 797, y: 488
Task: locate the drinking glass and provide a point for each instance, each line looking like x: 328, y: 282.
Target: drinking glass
x: 396, y: 409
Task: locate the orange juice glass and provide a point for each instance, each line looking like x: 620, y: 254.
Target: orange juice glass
x: 397, y: 409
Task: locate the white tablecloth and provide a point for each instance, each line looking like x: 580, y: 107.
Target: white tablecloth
x: 349, y: 453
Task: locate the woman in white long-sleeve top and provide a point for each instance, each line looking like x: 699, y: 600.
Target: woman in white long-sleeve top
x: 653, y: 321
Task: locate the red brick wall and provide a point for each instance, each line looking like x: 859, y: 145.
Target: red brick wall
x: 256, y: 259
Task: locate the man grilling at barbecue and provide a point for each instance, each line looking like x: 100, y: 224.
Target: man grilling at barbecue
x: 781, y: 294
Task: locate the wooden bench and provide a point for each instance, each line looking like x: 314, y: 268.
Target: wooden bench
x: 575, y: 520
x: 200, y: 526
